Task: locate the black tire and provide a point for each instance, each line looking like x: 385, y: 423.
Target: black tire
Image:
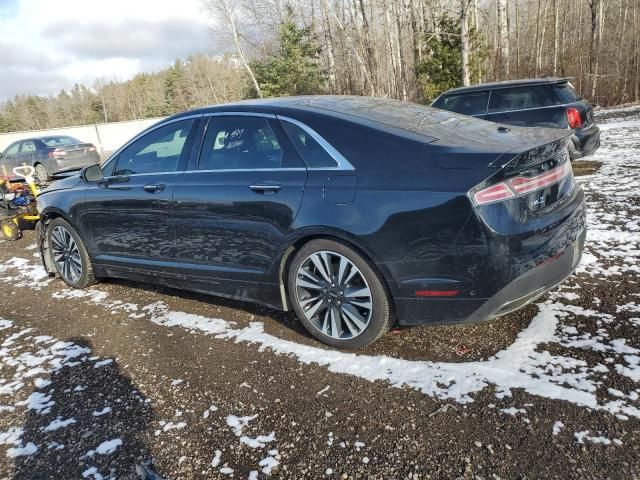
x: 10, y: 230
x: 86, y: 277
x: 42, y: 174
x: 380, y: 317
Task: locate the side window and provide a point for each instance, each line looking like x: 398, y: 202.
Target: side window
x: 239, y: 143
x: 473, y: 103
x: 13, y: 149
x: 566, y: 93
x: 518, y: 98
x: 314, y: 155
x: 158, y: 151
x: 28, y: 147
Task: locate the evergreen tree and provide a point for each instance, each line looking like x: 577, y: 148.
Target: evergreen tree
x: 293, y: 69
x: 442, y: 67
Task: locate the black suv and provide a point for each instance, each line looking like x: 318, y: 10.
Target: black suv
x: 543, y: 102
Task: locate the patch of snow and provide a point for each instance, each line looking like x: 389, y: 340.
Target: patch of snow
x: 58, y: 423
x: 557, y: 427
x: 216, y: 458
x: 102, y: 363
x: 28, y: 449
x: 105, y: 448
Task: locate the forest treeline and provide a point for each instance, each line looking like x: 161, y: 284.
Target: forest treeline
x: 406, y: 49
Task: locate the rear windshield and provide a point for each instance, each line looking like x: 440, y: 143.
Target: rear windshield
x: 57, y: 141
x: 518, y: 98
x: 566, y: 93
x: 473, y: 103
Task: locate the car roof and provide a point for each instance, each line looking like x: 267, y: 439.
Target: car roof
x: 385, y: 113
x: 509, y: 83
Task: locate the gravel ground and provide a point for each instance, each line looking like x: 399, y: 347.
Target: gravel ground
x: 96, y: 383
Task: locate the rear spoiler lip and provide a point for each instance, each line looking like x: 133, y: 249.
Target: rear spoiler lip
x: 506, y: 158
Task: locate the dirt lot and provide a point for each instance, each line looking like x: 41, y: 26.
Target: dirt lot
x: 98, y: 382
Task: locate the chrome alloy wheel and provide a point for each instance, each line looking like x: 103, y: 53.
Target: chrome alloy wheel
x: 66, y: 254
x: 334, y: 295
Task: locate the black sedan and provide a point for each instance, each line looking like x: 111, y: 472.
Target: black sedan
x: 540, y: 102
x: 355, y: 212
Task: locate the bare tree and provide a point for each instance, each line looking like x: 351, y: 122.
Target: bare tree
x: 225, y: 10
x: 503, y: 38
x: 465, y: 41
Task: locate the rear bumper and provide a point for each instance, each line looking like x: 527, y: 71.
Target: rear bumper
x: 75, y: 164
x: 586, y: 141
x: 515, y: 295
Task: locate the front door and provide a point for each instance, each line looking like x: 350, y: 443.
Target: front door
x: 8, y: 161
x: 27, y: 155
x: 234, y: 208
x: 129, y: 213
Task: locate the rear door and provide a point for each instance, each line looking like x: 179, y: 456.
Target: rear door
x: 129, y: 213
x: 238, y: 200
x: 527, y: 106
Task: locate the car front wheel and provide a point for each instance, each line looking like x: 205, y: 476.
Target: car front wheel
x: 69, y: 254
x: 338, y: 295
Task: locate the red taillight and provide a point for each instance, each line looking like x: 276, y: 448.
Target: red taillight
x: 522, y: 185
x: 437, y: 293
x: 574, y: 117
x: 57, y: 153
x: 494, y: 193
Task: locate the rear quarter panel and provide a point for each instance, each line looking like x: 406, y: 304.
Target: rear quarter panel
x: 408, y: 215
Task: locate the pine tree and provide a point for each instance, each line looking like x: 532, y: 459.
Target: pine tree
x: 293, y: 69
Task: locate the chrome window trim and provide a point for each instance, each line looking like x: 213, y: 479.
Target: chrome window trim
x: 150, y: 129
x: 240, y: 114
x: 493, y: 112
x: 228, y: 170
x: 343, y: 163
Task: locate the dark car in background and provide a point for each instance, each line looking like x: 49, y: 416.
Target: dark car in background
x: 48, y: 155
x: 354, y: 212
x: 545, y: 102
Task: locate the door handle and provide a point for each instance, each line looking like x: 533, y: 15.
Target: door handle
x: 154, y: 187
x: 265, y: 188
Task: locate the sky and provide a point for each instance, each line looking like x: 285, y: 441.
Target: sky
x: 48, y: 45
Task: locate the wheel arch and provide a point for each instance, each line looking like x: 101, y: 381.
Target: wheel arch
x: 307, y: 235
x: 46, y: 216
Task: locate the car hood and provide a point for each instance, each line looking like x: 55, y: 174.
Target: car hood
x: 63, y: 184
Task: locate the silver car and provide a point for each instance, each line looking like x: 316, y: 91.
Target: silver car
x: 48, y: 155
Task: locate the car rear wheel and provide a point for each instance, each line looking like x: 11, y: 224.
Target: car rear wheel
x: 69, y: 254
x: 338, y: 295
x: 42, y: 174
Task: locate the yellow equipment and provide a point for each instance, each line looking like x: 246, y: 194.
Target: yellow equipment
x: 19, y: 203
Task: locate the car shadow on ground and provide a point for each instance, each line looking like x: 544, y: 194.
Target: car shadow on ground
x: 94, y: 403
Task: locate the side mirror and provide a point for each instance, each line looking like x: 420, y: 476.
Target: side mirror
x: 92, y: 173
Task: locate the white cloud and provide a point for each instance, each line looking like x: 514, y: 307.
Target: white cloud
x: 48, y: 45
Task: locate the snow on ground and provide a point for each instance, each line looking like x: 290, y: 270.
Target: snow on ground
x: 613, y: 250
x: 546, y: 359
x: 20, y: 362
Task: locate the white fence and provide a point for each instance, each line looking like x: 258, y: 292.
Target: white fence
x: 107, y: 137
